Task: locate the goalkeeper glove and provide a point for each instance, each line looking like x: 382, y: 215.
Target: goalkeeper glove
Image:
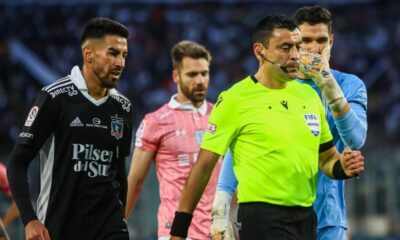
x: 221, y: 228
x: 316, y: 67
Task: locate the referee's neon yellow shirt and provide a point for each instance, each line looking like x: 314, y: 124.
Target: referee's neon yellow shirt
x: 274, y: 136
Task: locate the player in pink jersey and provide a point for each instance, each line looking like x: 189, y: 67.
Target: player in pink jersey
x: 12, y: 212
x: 171, y: 136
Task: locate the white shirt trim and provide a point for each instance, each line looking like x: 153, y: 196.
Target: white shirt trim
x: 187, y: 106
x: 80, y: 83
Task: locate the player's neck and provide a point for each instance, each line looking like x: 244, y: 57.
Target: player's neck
x: 93, y: 84
x: 181, y: 98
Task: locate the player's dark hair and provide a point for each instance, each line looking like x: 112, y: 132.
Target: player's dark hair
x: 100, y: 27
x: 266, y: 26
x: 190, y: 49
x: 314, y: 15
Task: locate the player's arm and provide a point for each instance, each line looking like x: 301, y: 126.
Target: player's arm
x: 316, y: 67
x: 227, y: 181
x: 197, y: 181
x: 352, y: 126
x: 17, y: 173
x: 121, y: 178
x: 341, y: 166
x: 40, y: 124
x: 349, y: 114
x: 226, y: 186
x: 141, y: 161
x: 11, y: 214
x: 124, y: 150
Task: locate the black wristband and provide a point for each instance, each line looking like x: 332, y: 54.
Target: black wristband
x: 180, y: 226
x: 338, y: 172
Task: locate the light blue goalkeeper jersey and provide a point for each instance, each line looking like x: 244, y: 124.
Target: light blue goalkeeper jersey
x: 348, y: 130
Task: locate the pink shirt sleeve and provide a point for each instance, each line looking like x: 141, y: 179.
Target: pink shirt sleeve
x: 147, y: 135
x: 4, y: 186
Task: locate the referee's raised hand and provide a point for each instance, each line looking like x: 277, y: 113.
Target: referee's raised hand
x: 35, y: 230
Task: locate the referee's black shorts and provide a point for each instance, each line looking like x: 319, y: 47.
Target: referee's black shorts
x: 264, y: 221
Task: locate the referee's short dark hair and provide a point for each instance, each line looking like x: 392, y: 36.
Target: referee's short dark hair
x: 266, y: 26
x: 313, y: 15
x: 100, y: 27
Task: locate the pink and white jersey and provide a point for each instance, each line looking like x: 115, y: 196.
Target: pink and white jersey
x: 174, y: 132
x: 4, y: 186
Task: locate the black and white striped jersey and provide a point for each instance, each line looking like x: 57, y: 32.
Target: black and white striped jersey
x: 81, y: 142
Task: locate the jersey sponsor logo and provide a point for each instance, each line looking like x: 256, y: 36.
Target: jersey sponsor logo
x: 26, y: 135
x: 76, y: 123
x: 117, y: 127
x: 211, y: 128
x: 31, y: 116
x: 94, y: 161
x: 183, y: 160
x: 198, y: 135
x: 96, y: 122
x: 313, y: 123
x: 126, y: 105
x: 285, y: 104
x: 67, y: 89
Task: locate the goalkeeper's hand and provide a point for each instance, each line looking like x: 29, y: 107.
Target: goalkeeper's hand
x: 316, y: 67
x: 221, y: 228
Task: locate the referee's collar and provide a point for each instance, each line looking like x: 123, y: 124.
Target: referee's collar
x: 187, y: 106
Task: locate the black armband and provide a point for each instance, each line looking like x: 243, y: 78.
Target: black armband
x: 338, y: 172
x: 180, y: 226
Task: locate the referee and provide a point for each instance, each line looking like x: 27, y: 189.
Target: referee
x: 81, y: 126
x: 278, y: 134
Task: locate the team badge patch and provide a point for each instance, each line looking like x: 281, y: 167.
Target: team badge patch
x: 31, y: 116
x: 211, y: 128
x: 199, y: 136
x: 117, y: 127
x: 313, y: 123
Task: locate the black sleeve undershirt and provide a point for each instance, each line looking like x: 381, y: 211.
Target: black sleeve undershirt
x: 17, y: 173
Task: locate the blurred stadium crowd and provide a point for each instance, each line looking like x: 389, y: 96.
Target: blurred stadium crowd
x: 367, y: 43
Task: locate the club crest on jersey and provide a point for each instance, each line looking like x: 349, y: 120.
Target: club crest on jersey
x: 31, y: 116
x: 199, y: 136
x: 313, y: 123
x: 117, y: 127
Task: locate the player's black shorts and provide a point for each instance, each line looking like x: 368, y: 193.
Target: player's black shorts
x: 264, y: 221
